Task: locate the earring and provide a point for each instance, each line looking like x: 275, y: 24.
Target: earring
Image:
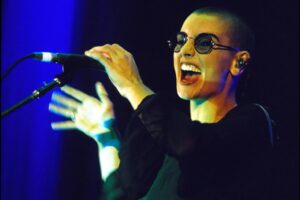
x: 241, y: 63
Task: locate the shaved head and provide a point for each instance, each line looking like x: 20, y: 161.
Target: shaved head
x: 240, y: 33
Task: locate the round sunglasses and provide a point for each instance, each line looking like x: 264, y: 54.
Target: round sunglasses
x: 203, y: 43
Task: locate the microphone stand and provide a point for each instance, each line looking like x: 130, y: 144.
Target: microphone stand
x: 59, y: 80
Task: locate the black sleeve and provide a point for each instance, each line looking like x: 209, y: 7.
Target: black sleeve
x: 141, y: 158
x: 112, y: 188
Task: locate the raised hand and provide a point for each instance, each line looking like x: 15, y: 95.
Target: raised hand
x: 122, y: 71
x: 86, y: 113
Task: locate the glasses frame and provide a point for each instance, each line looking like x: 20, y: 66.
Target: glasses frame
x: 213, y: 45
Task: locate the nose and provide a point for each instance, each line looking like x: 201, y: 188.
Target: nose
x: 188, y: 49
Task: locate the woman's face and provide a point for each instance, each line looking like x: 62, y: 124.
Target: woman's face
x: 201, y: 76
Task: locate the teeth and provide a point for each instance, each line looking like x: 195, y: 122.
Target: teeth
x: 188, y: 67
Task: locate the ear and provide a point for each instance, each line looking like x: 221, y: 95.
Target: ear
x: 239, y: 63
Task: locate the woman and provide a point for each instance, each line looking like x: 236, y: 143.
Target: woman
x: 221, y: 151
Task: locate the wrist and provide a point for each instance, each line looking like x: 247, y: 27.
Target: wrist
x: 109, y: 161
x: 136, y: 94
x: 107, y: 140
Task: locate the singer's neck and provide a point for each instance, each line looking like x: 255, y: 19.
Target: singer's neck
x: 211, y: 110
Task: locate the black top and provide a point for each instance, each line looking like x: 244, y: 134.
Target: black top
x: 165, y: 155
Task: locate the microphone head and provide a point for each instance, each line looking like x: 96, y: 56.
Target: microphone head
x: 43, y: 56
x: 70, y: 61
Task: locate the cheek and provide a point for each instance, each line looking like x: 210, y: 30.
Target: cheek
x: 214, y: 75
x: 217, y: 70
x: 214, y: 80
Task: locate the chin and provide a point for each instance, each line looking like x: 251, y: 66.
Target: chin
x: 184, y: 95
x: 191, y: 95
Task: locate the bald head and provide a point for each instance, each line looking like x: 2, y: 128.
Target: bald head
x: 240, y: 33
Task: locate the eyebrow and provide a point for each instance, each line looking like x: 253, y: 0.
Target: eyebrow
x: 213, y: 35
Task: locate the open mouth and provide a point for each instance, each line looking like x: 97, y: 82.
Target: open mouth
x: 189, y: 73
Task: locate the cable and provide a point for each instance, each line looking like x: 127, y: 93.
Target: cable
x: 14, y: 65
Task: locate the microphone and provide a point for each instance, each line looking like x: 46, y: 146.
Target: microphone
x: 70, y: 61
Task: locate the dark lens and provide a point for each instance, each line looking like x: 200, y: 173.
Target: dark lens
x: 203, y: 43
x: 180, y: 41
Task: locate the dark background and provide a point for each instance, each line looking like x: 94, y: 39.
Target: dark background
x: 142, y: 28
